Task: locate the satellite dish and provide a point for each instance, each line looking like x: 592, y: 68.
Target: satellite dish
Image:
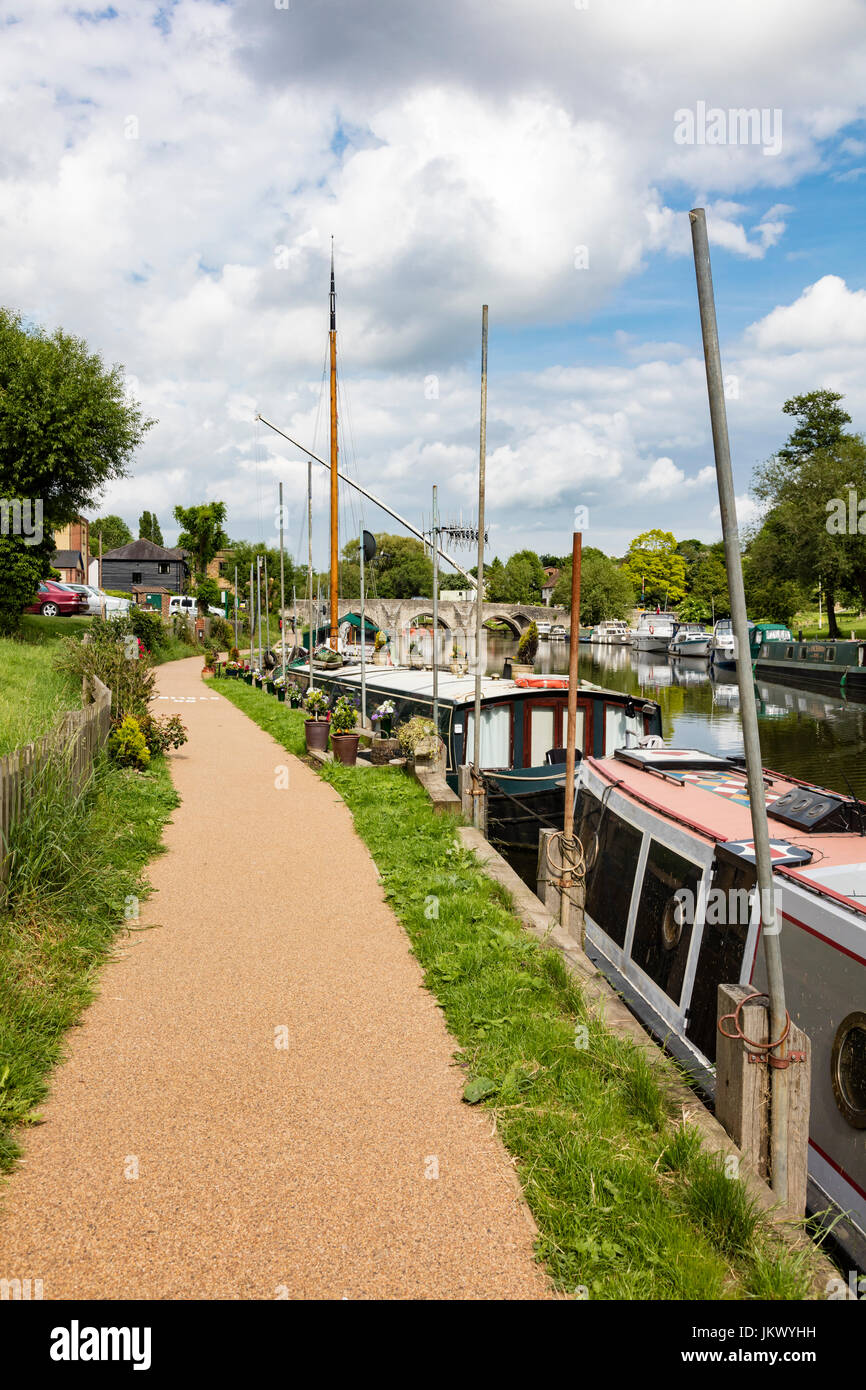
x: 369, y: 546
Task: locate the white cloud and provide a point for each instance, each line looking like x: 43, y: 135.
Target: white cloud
x: 826, y: 314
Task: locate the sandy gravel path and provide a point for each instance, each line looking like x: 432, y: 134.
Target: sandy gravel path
x: 264, y: 1171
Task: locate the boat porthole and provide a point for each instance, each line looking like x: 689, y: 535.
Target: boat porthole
x: 590, y: 854
x: 848, y: 1069
x: 672, y: 923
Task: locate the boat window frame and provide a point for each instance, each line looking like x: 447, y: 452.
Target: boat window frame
x: 470, y: 714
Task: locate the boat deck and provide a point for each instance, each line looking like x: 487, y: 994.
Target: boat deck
x: 713, y: 802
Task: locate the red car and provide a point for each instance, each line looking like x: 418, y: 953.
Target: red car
x: 55, y: 601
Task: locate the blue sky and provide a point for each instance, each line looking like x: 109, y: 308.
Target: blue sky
x: 172, y: 175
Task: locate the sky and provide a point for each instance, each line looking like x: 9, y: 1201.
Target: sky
x: 171, y: 175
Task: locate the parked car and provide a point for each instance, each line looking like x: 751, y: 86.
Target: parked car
x: 56, y: 601
x: 186, y: 604
x: 96, y: 599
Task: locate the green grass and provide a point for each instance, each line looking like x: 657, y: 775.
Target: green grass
x: 76, y: 871
x: 847, y: 622
x: 627, y: 1203
x: 32, y: 694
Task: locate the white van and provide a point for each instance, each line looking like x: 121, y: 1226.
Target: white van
x: 186, y: 604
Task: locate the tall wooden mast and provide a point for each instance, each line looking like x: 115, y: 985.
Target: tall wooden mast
x: 335, y: 529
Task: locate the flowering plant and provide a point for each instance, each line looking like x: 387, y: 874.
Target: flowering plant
x: 316, y: 704
x: 344, y: 716
x: 384, y: 715
x: 279, y: 682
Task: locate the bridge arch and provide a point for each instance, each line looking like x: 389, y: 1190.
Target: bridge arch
x: 511, y: 621
x: 426, y: 616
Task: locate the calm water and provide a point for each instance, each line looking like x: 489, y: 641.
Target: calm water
x: 818, y: 737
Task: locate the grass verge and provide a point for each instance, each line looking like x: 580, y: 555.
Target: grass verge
x: 78, y: 870
x: 32, y: 694
x: 627, y: 1203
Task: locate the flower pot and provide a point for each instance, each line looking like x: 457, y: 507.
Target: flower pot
x: 248, y: 678
x: 281, y: 694
x: 257, y: 681
x: 316, y: 734
x: 345, y: 747
x: 206, y: 671
x: 522, y: 668
x: 270, y: 687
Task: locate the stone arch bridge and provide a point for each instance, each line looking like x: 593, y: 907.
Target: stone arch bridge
x: 397, y: 615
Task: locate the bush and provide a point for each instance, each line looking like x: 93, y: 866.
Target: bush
x: 131, y: 682
x: 143, y: 623
x: 414, y: 732
x: 222, y: 634
x: 316, y: 703
x: 344, y: 716
x: 162, y: 734
x: 21, y: 568
x: 527, y: 647
x: 183, y: 629
x: 127, y: 744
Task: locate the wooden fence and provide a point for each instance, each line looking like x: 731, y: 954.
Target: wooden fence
x: 73, y: 743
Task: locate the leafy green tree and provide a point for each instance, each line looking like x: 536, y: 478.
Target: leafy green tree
x: 694, y: 610
x: 202, y: 532
x: 148, y: 528
x: 654, y: 563
x: 67, y: 425
x: 115, y: 533
x: 400, y: 569
x: 709, y: 582
x: 519, y: 580
x: 21, y: 568
x: 820, y: 462
x: 206, y: 592
x: 606, y: 591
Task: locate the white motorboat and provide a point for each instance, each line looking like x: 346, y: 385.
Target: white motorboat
x: 723, y: 646
x: 611, y: 631
x: 690, y: 639
x: 655, y: 631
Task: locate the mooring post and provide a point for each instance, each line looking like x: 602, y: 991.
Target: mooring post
x: 546, y: 876
x: 770, y: 924
x: 743, y: 1091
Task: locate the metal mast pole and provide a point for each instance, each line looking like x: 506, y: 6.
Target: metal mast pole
x: 267, y: 594
x: 259, y: 603
x: 335, y: 481
x: 479, y: 593
x: 236, y: 608
x: 251, y: 613
x: 569, y: 848
x: 310, y: 562
x: 435, y: 539
x: 363, y: 641
x: 282, y: 587
x: 748, y: 712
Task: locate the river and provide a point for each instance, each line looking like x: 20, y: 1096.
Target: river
x: 817, y: 737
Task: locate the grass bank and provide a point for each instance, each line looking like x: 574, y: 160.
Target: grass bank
x: 32, y: 694
x: 627, y: 1204
x: 74, y: 881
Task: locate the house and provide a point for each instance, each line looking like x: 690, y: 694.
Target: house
x: 221, y: 569
x: 144, y: 564
x: 72, y: 544
x: 551, y: 575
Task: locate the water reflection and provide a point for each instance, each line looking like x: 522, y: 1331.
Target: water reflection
x: 818, y: 737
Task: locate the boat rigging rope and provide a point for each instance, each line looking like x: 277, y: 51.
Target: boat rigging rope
x: 572, y: 861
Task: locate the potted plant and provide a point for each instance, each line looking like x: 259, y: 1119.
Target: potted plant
x: 380, y: 655
x: 527, y: 648
x: 419, y: 739
x: 384, y: 747
x: 344, y: 735
x: 210, y: 657
x: 457, y: 664
x: 279, y: 684
x: 316, y: 727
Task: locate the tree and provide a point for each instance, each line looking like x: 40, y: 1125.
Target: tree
x: 202, y: 532
x: 709, y: 581
x: 519, y: 580
x: 401, y: 568
x: 605, y: 590
x: 819, y: 463
x: 115, y: 533
x: 67, y: 424
x: 207, y: 593
x: 148, y: 528
x: 652, y: 563
x: 22, y: 566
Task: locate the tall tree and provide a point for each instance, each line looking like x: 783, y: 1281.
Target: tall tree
x: 149, y: 529
x: 115, y: 533
x: 518, y: 581
x: 606, y: 591
x: 202, y: 532
x: 654, y: 566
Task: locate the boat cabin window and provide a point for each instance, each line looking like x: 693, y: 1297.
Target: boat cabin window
x: 727, y: 913
x: 831, y: 655
x: 495, y: 736
x: 789, y: 652
x: 617, y: 724
x: 611, y: 848
x: 665, y: 917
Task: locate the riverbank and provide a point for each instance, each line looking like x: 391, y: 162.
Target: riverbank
x: 627, y: 1204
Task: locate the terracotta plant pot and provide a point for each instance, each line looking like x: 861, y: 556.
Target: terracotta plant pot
x: 316, y: 734
x: 345, y: 748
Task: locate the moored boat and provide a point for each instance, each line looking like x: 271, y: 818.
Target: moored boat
x: 839, y: 664
x: 662, y: 827
x: 654, y: 631
x: 611, y: 630
x: 690, y: 639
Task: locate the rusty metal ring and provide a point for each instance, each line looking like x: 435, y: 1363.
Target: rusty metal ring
x: 740, y: 1036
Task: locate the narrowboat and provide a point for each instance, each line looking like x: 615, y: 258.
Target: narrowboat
x: 654, y: 632
x: 839, y: 664
x: 662, y: 827
x: 523, y: 732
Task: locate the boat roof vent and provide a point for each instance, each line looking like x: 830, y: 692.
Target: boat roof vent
x: 674, y: 760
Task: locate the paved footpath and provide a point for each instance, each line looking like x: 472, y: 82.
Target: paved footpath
x: 300, y: 1170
